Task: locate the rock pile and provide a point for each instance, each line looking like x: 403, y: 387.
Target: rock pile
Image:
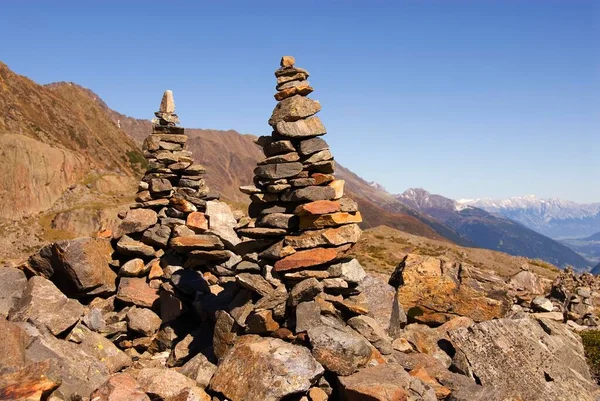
x: 304, y: 226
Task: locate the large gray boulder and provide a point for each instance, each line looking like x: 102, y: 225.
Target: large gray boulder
x: 265, y: 369
x: 45, y: 306
x: 525, y: 359
x: 383, y: 303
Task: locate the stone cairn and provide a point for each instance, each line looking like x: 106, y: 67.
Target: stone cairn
x: 173, y: 247
x: 303, y: 225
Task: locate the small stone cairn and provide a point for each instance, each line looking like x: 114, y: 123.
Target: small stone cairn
x: 303, y: 225
x: 174, y: 246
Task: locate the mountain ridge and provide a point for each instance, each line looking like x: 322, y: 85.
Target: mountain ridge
x: 492, y: 232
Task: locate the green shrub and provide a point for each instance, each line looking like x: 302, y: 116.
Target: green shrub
x: 591, y: 345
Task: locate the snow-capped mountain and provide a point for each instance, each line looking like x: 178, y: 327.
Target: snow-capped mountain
x: 490, y: 231
x: 556, y: 218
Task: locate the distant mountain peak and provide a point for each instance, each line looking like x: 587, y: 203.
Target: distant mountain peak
x: 377, y: 186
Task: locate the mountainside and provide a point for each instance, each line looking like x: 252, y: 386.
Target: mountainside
x: 66, y: 166
x: 52, y: 137
x: 492, y: 232
x: 555, y: 218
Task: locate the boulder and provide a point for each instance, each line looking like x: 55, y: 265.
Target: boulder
x: 383, y: 304
x: 119, y: 387
x: 12, y: 347
x: 79, y: 267
x: 372, y: 331
x: 306, y: 290
x: 12, y: 285
x: 190, y: 394
x: 135, y: 291
x: 100, y: 348
x: 389, y: 382
x: 350, y: 271
x: 143, y: 321
x: 339, y: 349
x: 131, y: 247
x: 530, y: 282
x: 136, y: 221
x: 525, y: 359
x: 433, y: 291
x: 45, y: 306
x: 266, y: 369
x: 542, y: 304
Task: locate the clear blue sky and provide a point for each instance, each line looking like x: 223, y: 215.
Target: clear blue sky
x: 463, y: 98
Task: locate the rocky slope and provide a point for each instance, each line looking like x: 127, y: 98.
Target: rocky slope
x: 555, y: 218
x: 488, y: 231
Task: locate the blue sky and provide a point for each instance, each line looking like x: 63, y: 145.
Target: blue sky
x: 463, y: 98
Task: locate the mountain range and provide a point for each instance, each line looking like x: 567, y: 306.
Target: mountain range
x: 489, y: 231
x: 71, y: 163
x: 555, y: 218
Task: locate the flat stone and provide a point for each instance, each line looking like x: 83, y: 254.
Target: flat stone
x: 278, y: 170
x: 302, y: 128
x: 329, y: 220
x: 196, y: 242
x: 278, y: 147
x: 325, y: 167
x: 309, y: 194
x: 302, y: 274
x: 45, y: 306
x: 266, y: 369
x: 260, y: 232
x: 195, y: 169
x: 307, y: 258
x: 137, y: 220
x: 305, y: 290
x: 312, y: 145
x: 157, y: 236
x: 182, y: 205
x: 293, y: 109
x: 350, y: 271
x: 142, y: 320
x: 335, y: 284
x: 283, y: 158
x: 373, y: 332
x: 158, y: 185
x: 291, y: 88
x: 317, y: 208
x: 131, y: 247
x: 12, y: 285
x: 346, y: 234
x: 250, y: 189
x: 308, y: 315
x: 319, y: 156
x: 135, y: 291
x: 278, y: 220
x: 121, y: 386
x: 341, y: 351
x: 256, y: 283
x: 99, y: 348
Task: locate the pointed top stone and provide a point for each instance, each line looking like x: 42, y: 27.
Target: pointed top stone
x: 287, y: 61
x: 167, y: 104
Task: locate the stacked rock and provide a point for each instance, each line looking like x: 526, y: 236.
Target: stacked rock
x: 174, y: 245
x: 303, y: 225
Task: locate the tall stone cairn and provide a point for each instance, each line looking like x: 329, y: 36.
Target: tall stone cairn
x: 303, y: 223
x: 174, y: 246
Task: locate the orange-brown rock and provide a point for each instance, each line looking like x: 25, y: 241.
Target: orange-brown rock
x: 301, y: 88
x: 338, y: 186
x: 135, y: 291
x: 121, y: 386
x: 182, y: 205
x: 261, y: 322
x: 201, y: 242
x: 388, y: 382
x: 308, y: 258
x: 317, y: 208
x: 433, y: 291
x: 349, y: 233
x: 329, y: 220
x: 29, y: 384
x: 197, y: 221
x: 287, y: 61
x: 441, y: 392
